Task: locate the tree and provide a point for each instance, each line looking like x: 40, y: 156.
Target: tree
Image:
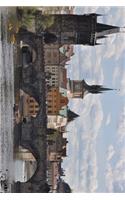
x: 26, y: 15
x: 44, y: 22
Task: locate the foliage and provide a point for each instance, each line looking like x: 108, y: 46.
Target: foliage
x: 45, y: 22
x: 53, y: 136
x: 26, y: 15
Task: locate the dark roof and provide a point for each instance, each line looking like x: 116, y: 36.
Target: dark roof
x: 63, y: 187
x: 94, y: 89
x: 71, y: 115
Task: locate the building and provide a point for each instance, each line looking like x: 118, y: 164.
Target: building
x: 58, y: 114
x: 60, y: 121
x: 56, y: 151
x: 29, y: 106
x: 57, y: 76
x: 79, y: 29
x: 67, y: 50
x: 56, y: 121
x: 53, y: 175
x: 52, y: 55
x: 56, y: 146
x: 55, y: 101
x: 79, y: 88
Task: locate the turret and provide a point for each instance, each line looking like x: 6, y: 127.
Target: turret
x: 79, y: 88
x: 77, y: 29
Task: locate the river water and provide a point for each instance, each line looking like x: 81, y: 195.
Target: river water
x: 8, y: 165
x: 6, y: 100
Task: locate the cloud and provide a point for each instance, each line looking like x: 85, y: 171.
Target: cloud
x: 109, y: 178
x: 119, y: 78
x: 110, y: 153
x: 122, y: 87
x: 121, y: 126
x: 115, y: 174
x: 114, y: 47
x: 108, y: 119
x: 89, y: 123
x: 115, y: 171
x: 116, y: 74
x: 82, y: 164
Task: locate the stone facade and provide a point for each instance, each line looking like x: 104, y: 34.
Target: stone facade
x: 55, y: 101
x: 52, y: 55
x: 56, y: 121
x: 30, y: 106
x: 57, y: 76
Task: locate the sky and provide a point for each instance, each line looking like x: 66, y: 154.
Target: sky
x: 96, y: 148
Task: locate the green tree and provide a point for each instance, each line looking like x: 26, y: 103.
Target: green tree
x: 45, y: 21
x: 26, y: 15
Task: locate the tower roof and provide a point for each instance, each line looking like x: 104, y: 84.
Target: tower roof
x: 103, y: 29
x: 71, y: 115
x: 63, y: 187
x: 94, y: 89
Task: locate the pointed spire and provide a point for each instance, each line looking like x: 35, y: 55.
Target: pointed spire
x: 71, y: 115
x: 103, y: 29
x: 95, y: 89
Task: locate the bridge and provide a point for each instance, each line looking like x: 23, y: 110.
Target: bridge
x: 32, y: 134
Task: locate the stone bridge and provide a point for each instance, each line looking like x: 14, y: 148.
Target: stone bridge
x: 32, y: 135
x: 33, y: 76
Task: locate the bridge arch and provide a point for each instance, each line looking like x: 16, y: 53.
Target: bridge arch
x: 25, y: 165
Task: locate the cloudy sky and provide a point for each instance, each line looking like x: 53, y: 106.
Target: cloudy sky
x: 96, y: 148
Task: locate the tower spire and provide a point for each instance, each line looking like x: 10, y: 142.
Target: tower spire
x: 95, y: 89
x: 102, y: 30
x: 77, y: 29
x: 79, y: 88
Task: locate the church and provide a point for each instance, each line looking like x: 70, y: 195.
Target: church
x: 77, y: 29
x: 79, y: 88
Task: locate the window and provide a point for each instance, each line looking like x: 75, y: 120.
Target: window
x: 55, y: 54
x: 49, y: 61
x: 49, y: 54
x: 49, y: 106
x: 62, y: 101
x: 49, y: 100
x: 77, y: 86
x: 31, y: 112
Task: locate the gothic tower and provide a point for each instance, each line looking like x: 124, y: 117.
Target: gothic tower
x: 79, y: 88
x: 77, y: 29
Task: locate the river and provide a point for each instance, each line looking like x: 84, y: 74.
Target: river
x: 8, y: 165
